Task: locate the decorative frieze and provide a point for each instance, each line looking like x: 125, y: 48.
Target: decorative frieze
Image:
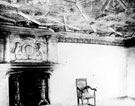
x: 91, y: 40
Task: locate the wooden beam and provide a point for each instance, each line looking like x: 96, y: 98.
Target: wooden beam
x: 28, y: 17
x: 122, y: 3
x: 105, y: 4
x: 70, y: 26
x: 8, y: 19
x: 65, y: 22
x: 79, y: 8
x: 26, y: 30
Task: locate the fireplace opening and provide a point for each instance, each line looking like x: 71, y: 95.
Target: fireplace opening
x: 28, y: 88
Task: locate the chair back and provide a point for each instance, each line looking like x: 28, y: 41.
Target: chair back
x: 83, y: 93
x: 81, y: 83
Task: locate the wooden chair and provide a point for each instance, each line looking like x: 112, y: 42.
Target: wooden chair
x: 85, y: 92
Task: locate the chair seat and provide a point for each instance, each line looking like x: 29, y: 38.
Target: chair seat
x: 87, y: 96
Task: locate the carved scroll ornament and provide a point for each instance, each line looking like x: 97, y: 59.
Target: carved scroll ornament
x: 28, y: 50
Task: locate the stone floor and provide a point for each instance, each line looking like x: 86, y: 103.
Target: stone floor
x: 112, y: 102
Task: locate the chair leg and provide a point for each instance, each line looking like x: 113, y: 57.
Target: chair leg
x: 78, y: 101
x: 82, y: 102
x: 95, y: 101
x: 88, y: 101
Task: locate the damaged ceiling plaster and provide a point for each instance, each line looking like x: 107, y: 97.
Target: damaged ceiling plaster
x: 113, y: 18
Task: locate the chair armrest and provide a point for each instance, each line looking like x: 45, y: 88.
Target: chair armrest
x: 80, y: 90
x: 89, y: 87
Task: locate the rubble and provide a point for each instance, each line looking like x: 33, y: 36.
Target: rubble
x: 104, y: 18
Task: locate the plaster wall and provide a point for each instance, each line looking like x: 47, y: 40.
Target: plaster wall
x: 131, y: 72
x: 105, y: 68
x: 4, y: 96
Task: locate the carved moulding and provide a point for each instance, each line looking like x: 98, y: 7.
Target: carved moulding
x: 28, y: 49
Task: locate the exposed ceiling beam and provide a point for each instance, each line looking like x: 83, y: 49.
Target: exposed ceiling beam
x: 5, y: 18
x: 65, y: 22
x: 70, y: 26
x: 28, y: 17
x: 26, y: 30
x: 105, y: 4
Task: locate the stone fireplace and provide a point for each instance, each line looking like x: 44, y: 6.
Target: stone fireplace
x: 30, y: 64
x: 29, y: 85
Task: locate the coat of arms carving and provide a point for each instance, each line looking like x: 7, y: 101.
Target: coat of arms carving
x: 28, y: 49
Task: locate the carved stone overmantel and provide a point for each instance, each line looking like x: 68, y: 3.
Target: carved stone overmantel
x: 28, y: 49
x: 27, y: 45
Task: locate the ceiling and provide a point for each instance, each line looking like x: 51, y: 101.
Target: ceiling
x: 113, y: 18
